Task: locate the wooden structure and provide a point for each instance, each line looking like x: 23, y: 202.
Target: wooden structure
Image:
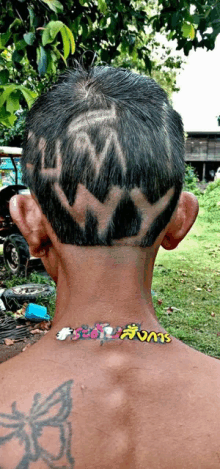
x: 203, y: 152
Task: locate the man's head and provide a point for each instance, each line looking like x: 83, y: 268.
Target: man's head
x: 104, y: 156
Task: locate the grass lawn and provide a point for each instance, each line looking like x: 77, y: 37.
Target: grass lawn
x: 187, y: 279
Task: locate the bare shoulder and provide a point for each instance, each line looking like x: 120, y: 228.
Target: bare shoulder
x: 111, y: 409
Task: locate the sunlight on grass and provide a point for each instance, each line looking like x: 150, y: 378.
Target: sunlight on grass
x: 188, y: 280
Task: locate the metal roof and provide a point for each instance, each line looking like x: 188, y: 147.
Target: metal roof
x: 4, y: 151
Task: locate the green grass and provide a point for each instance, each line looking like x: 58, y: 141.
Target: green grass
x: 188, y: 279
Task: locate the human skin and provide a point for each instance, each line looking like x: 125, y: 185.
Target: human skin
x: 134, y: 404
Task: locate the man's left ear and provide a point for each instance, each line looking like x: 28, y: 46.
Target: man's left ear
x: 181, y: 221
x: 28, y: 217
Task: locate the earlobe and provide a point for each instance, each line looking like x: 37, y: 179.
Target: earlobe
x: 28, y: 217
x: 182, y: 221
x: 169, y: 242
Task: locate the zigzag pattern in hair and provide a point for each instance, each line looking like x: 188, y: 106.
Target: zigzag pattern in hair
x: 85, y: 201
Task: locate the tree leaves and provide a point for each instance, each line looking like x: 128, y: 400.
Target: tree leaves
x: 10, y: 101
x: 28, y: 94
x: 36, y: 35
x: 68, y: 37
x: 191, y: 27
x: 66, y: 43
x: 17, y: 56
x: 4, y: 76
x: 41, y: 60
x: 8, y: 89
x: 4, y: 38
x: 50, y: 33
x: 54, y: 5
x: 29, y: 38
x: 102, y: 6
x: 31, y: 16
x: 6, y: 118
x: 188, y: 30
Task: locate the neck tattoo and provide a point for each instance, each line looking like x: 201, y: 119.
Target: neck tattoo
x: 104, y: 332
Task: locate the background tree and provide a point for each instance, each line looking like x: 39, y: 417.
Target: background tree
x: 39, y: 38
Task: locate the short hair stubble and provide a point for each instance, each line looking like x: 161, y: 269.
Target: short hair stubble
x: 109, y: 137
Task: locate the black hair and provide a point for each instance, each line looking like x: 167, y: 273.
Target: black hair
x: 103, y: 129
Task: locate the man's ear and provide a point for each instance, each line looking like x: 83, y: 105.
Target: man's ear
x: 181, y: 221
x: 28, y: 217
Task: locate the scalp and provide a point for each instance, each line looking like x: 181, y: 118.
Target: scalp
x: 113, y: 135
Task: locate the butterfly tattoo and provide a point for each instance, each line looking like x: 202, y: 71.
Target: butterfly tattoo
x: 51, y: 413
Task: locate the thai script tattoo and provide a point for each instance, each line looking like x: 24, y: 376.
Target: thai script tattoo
x: 53, y: 412
x: 103, y: 331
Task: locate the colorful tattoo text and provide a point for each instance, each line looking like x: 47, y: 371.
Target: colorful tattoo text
x: 103, y: 331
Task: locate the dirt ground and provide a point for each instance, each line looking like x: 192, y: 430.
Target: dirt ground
x: 9, y: 351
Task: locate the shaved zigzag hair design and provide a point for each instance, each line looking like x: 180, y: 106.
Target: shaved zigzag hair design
x: 104, y: 155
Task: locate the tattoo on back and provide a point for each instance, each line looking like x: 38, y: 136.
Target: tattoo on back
x: 29, y: 428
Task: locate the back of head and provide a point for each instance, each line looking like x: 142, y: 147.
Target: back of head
x: 104, y: 155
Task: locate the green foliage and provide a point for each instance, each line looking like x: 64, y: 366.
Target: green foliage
x: 13, y: 136
x: 212, y: 189
x: 48, y: 37
x: 210, y: 202
x: 30, y: 50
x: 191, y: 180
x: 38, y: 40
x: 193, y: 25
x: 34, y: 277
x: 54, y: 5
x: 188, y: 30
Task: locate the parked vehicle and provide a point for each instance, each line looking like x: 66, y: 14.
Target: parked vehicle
x: 15, y: 297
x: 15, y: 248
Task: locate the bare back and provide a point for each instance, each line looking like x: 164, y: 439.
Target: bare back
x: 118, y: 405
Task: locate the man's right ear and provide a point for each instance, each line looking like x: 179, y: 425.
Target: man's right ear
x: 181, y: 221
x: 28, y: 217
